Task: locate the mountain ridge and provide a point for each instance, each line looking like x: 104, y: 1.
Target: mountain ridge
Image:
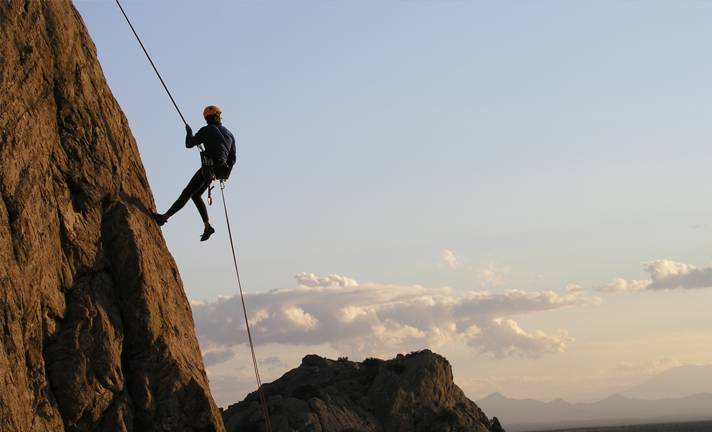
x: 530, y: 414
x: 679, y: 381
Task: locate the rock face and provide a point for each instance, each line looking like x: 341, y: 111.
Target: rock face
x: 96, y: 333
x: 411, y: 393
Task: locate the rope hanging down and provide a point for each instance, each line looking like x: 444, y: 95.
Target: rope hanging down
x: 265, y: 412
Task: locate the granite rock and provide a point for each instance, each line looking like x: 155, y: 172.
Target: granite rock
x: 411, y: 393
x: 96, y: 332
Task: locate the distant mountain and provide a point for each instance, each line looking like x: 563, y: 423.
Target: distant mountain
x: 529, y: 414
x: 674, y: 383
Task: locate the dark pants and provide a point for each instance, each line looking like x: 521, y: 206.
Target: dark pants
x: 195, y: 189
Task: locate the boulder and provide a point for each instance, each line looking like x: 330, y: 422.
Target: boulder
x: 411, y: 393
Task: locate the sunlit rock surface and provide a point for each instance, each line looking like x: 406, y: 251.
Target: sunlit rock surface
x: 96, y: 333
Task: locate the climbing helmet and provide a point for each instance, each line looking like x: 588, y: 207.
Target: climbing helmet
x: 211, y: 110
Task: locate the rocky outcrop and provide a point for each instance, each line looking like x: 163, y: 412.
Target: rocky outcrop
x: 95, y: 330
x: 411, y: 393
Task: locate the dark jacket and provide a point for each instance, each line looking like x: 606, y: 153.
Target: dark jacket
x: 219, y: 142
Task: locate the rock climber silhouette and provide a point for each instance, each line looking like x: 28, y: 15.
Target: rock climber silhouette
x: 217, y: 159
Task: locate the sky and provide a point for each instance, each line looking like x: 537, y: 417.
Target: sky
x: 521, y: 187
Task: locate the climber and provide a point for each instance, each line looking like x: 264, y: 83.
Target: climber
x: 217, y: 162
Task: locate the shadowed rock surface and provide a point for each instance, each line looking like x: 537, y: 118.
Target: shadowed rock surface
x: 95, y: 330
x: 411, y: 393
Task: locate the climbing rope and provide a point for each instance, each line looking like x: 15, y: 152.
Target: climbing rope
x: 265, y: 411
x: 151, y: 61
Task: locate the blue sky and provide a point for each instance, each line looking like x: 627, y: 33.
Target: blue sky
x: 429, y: 152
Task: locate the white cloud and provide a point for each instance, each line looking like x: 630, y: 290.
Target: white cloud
x: 574, y: 289
x: 310, y: 280
x: 300, y: 319
x: 504, y: 338
x: 621, y: 285
x: 379, y: 320
x: 493, y: 275
x: 454, y: 261
x: 666, y: 275
x: 473, y: 332
x: 350, y: 313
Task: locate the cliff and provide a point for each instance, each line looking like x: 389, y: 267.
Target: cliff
x: 95, y: 330
x: 411, y: 393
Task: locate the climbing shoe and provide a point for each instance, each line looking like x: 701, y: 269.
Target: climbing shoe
x: 207, y: 233
x: 159, y: 219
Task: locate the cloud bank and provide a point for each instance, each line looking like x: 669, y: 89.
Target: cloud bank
x: 665, y: 276
x: 378, y: 320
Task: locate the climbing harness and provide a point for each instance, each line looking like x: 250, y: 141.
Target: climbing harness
x: 265, y: 411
